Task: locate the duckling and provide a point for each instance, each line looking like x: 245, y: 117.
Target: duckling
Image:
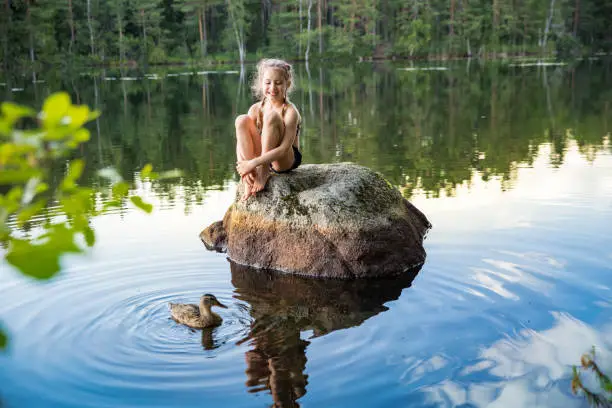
x: 197, y: 317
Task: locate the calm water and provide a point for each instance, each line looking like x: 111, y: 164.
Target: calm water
x: 512, y: 164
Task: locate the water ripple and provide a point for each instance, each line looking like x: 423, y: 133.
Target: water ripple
x: 109, y: 327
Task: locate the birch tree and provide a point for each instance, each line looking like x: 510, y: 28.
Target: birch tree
x: 7, y: 21
x: 118, y: 10
x: 71, y: 25
x: 238, y: 21
x: 308, y: 33
x: 92, y: 48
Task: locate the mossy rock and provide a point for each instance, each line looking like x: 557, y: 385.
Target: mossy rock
x: 329, y: 220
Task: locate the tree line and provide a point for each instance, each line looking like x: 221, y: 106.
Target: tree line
x: 109, y: 32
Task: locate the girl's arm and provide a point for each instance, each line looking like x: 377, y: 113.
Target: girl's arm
x: 254, y: 111
x: 291, y: 121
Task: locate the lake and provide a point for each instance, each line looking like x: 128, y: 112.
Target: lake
x: 511, y: 162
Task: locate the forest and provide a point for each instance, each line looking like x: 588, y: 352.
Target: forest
x: 38, y: 33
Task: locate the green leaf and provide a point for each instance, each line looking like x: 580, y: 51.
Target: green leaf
x: 81, y: 136
x: 13, y: 112
x: 77, y: 203
x: 28, y: 212
x: 41, y: 188
x: 41, y: 261
x: 111, y: 204
x: 5, y: 127
x: 57, y: 134
x: 137, y: 201
x: 54, y: 109
x: 121, y: 189
x: 14, y: 153
x: 93, y: 115
x: 11, y: 177
x: 15, y: 194
x: 75, y: 169
x: 78, y: 115
x: 3, y: 339
x: 5, y: 231
x: 146, y: 170
x: 90, y: 236
x: 605, y: 382
x: 33, y: 260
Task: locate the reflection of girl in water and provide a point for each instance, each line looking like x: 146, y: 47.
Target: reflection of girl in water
x: 267, y: 136
x: 277, y: 363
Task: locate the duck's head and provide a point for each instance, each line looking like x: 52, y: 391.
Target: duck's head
x: 209, y: 301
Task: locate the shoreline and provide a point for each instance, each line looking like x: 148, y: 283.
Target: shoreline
x: 492, y: 57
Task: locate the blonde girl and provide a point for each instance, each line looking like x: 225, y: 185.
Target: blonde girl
x: 267, y: 136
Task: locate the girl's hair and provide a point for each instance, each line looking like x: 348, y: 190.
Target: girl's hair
x: 267, y: 63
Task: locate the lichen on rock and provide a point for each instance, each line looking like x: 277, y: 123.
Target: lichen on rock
x: 329, y: 221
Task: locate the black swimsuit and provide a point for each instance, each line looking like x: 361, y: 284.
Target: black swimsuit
x: 297, y: 160
x: 297, y: 155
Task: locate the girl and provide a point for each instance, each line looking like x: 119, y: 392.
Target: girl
x: 267, y: 136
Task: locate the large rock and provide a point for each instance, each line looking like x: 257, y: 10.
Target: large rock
x: 328, y: 221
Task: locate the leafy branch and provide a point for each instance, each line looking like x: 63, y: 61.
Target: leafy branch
x: 30, y: 142
x: 595, y: 399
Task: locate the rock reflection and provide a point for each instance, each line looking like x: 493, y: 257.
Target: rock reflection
x: 284, y: 306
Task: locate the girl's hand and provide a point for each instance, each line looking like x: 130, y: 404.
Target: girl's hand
x: 245, y: 167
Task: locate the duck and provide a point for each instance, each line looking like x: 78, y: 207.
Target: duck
x: 197, y: 316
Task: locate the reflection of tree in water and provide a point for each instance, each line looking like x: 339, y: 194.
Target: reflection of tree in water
x: 426, y: 130
x: 284, y: 306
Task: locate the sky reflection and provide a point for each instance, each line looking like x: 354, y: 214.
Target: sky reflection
x: 527, y: 369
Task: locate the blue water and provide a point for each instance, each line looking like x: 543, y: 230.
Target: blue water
x: 516, y: 287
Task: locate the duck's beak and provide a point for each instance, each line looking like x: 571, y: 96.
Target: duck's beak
x: 217, y: 303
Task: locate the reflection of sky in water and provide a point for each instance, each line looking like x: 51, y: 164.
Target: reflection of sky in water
x: 527, y: 369
x: 517, y: 285
x: 564, y: 215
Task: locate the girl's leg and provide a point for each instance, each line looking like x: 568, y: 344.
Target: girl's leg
x: 248, y: 146
x: 271, y: 137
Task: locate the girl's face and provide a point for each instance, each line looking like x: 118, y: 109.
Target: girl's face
x: 274, y: 84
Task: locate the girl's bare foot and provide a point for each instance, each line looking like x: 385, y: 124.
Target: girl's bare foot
x: 262, y: 174
x: 247, y: 192
x: 248, y: 181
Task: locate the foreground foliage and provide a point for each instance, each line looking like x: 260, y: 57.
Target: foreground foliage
x: 32, y: 143
x: 602, y: 398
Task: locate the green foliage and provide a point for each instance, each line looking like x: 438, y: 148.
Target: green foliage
x: 157, y: 56
x: 416, y: 35
x: 30, y: 144
x: 138, y: 202
x: 568, y: 46
x: 600, y: 398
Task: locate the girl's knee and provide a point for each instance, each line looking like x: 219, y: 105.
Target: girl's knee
x: 272, y: 118
x: 242, y: 121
